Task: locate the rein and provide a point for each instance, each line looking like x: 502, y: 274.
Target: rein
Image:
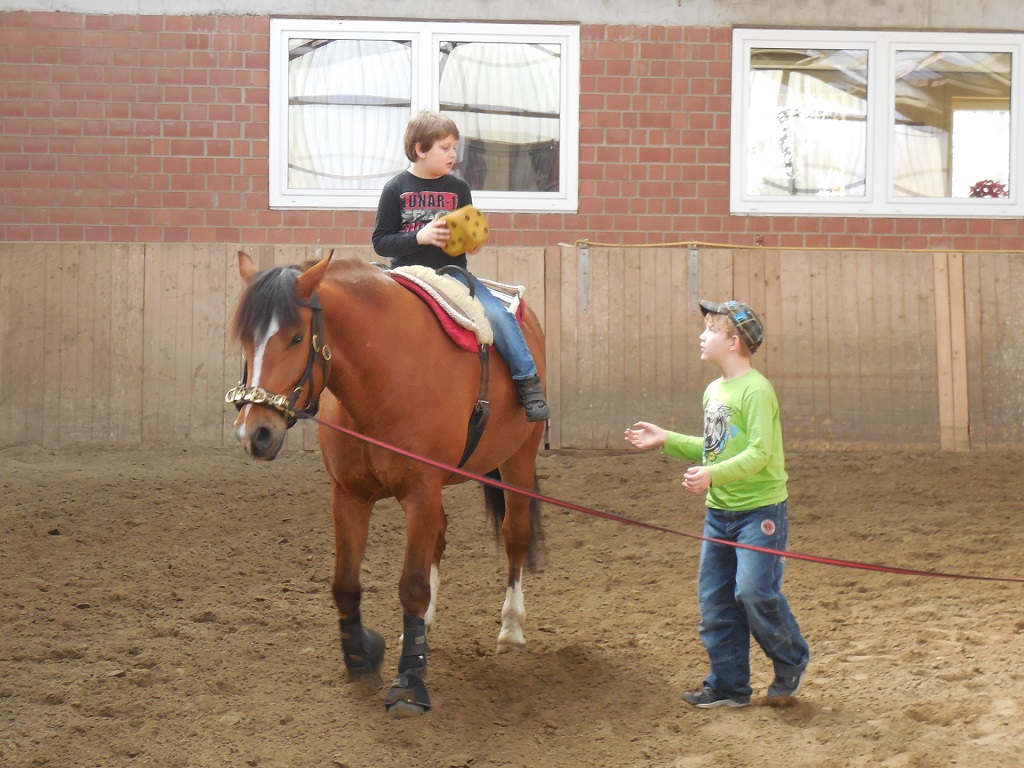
x: 489, y: 481
x: 242, y: 395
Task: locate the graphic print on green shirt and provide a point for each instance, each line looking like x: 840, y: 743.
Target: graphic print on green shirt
x: 742, y: 444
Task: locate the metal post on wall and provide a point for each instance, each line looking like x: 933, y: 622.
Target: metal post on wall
x: 694, y: 276
x: 584, y: 276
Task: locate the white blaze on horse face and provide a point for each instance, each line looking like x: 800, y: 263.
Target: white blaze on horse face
x: 513, y: 616
x: 259, y: 347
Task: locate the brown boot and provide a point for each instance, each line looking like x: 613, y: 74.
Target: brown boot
x: 531, y: 395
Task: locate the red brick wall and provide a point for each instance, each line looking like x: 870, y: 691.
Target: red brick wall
x: 154, y: 129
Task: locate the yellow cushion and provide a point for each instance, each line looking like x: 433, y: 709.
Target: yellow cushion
x: 468, y: 230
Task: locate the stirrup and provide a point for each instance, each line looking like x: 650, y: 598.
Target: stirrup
x: 531, y: 396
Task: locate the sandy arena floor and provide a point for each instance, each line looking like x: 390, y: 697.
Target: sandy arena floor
x: 172, y: 608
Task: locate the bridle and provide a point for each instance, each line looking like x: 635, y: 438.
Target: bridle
x: 242, y: 395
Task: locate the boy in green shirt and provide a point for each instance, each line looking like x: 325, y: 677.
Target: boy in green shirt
x: 743, y: 474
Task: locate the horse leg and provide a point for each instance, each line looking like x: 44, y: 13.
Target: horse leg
x: 435, y: 571
x: 424, y: 517
x: 518, y: 536
x: 363, y: 649
x: 513, y: 610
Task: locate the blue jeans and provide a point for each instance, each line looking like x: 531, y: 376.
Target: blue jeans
x: 740, y: 594
x: 508, y: 336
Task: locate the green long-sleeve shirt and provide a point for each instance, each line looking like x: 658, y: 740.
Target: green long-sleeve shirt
x: 742, y: 444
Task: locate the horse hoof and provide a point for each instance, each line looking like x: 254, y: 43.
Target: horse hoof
x: 373, y: 654
x: 511, y: 639
x: 408, y: 697
x: 403, y: 710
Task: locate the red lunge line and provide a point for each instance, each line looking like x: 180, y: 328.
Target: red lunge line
x: 651, y: 526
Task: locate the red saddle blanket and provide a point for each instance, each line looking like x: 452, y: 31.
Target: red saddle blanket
x: 464, y: 337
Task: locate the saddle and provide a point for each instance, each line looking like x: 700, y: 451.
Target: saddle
x: 462, y: 317
x: 460, y: 314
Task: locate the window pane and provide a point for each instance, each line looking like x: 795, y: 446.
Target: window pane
x: 952, y: 126
x: 807, y: 122
x: 348, y: 104
x: 505, y: 98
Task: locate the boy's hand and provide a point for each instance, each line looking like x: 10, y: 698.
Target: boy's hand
x: 645, y: 435
x: 434, y: 233
x: 697, y: 479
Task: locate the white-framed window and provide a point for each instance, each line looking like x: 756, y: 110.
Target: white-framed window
x: 342, y: 92
x: 868, y: 123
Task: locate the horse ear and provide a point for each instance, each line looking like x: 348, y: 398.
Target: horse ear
x: 310, y: 279
x: 246, y: 266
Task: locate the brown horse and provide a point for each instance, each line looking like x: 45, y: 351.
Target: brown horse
x: 374, y: 355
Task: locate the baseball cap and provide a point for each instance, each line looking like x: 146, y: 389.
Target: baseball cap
x: 747, y: 321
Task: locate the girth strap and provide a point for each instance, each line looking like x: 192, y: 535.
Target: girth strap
x: 482, y: 409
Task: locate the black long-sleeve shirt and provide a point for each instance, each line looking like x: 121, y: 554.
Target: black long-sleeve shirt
x: 407, y: 204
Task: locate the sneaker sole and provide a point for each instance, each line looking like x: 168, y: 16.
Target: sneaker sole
x: 732, y: 703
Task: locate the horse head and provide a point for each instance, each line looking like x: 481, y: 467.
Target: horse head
x: 279, y: 323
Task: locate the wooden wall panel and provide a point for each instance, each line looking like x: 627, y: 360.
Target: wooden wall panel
x: 832, y: 321
x: 624, y: 317
x: 53, y: 352
x: 1011, y: 354
x: 993, y: 298
x: 569, y: 398
x: 798, y: 335
x: 819, y: 366
x: 651, y: 379
x: 182, y: 328
x: 23, y: 340
x: 979, y: 282
x: 619, y: 346
x: 211, y: 333
x: 841, y: 347
x: 683, y: 350
x: 102, y: 349
x: 999, y: 328
x: 950, y: 335
x: 127, y: 278
x: 630, y: 294
x: 913, y: 349
x: 158, y: 342
x: 131, y: 343
x: 633, y: 348
x: 592, y: 352
x: 666, y: 390
x: 873, y: 342
x: 551, y: 300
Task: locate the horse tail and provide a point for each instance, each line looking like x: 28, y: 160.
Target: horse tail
x: 494, y: 502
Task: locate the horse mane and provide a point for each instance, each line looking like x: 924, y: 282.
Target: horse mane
x: 271, y: 293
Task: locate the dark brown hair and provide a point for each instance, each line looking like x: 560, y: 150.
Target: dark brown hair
x: 425, y: 129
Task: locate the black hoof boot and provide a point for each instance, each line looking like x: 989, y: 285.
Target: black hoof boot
x: 362, y: 648
x: 408, y: 696
x: 531, y: 395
